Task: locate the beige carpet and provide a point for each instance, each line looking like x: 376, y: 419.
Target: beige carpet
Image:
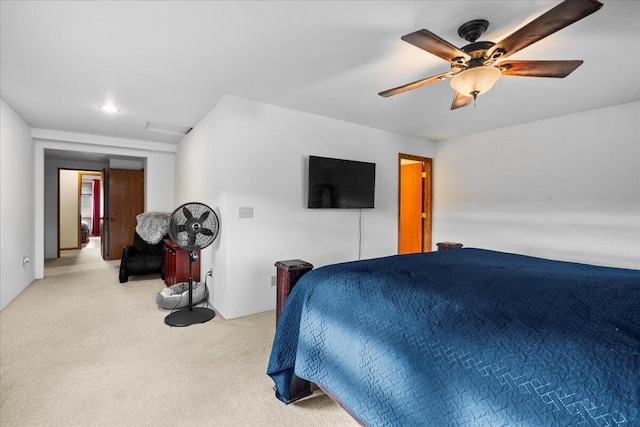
x: 78, y: 348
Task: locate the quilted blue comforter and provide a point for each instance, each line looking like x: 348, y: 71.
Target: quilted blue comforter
x: 467, y: 337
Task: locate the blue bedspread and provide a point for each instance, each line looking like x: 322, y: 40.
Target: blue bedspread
x: 467, y: 337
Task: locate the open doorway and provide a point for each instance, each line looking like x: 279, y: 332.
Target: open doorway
x: 90, y: 207
x: 79, y: 204
x: 414, y: 203
x: 52, y: 155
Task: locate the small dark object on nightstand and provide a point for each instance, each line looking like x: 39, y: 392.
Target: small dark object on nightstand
x: 442, y: 246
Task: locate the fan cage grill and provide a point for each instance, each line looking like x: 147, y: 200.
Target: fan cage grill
x: 193, y: 226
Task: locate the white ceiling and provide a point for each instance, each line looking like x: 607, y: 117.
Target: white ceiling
x: 171, y: 62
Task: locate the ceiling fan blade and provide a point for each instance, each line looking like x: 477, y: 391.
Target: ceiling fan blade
x: 557, y: 69
x: 181, y: 228
x: 187, y: 213
x: 564, y: 14
x: 206, y: 231
x: 191, y: 240
x: 416, y: 84
x: 426, y: 40
x: 204, y: 216
x: 460, y: 101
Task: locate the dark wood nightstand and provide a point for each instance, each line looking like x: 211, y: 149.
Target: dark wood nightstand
x: 176, y: 262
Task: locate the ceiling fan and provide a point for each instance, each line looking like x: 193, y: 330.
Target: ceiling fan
x: 474, y: 67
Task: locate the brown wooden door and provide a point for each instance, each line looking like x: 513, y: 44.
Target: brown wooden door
x: 104, y: 253
x: 414, y: 204
x: 126, y: 200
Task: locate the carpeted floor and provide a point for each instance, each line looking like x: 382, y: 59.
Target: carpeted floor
x: 78, y: 348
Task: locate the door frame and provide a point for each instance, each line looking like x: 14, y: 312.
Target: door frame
x: 79, y: 172
x: 104, y: 215
x: 427, y: 198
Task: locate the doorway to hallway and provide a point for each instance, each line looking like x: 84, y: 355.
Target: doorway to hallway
x: 414, y: 203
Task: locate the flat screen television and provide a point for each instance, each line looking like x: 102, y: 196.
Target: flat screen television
x: 337, y: 183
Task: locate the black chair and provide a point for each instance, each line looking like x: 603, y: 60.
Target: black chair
x: 142, y: 258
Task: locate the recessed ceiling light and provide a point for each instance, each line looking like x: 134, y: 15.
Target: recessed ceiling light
x: 108, y: 108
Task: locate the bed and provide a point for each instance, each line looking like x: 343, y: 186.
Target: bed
x: 465, y: 337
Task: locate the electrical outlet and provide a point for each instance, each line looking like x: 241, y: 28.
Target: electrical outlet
x: 274, y: 281
x: 245, y: 212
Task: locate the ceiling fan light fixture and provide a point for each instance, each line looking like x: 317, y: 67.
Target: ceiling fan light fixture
x: 475, y: 81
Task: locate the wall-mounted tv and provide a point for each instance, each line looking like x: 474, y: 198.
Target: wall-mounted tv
x: 337, y: 183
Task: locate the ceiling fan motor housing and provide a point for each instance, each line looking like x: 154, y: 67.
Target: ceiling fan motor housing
x: 477, y: 52
x: 472, y: 30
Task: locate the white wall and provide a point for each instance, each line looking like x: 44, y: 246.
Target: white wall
x: 17, y: 205
x: 69, y: 211
x: 566, y: 188
x: 249, y: 154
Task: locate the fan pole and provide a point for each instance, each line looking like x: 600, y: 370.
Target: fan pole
x: 192, y: 257
x: 191, y: 315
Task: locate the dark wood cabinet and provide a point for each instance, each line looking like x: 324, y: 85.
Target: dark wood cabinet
x: 288, y: 272
x: 176, y: 261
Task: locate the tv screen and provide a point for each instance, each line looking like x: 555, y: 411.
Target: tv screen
x: 336, y: 183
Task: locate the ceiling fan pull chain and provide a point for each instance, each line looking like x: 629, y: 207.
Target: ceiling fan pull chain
x: 475, y: 95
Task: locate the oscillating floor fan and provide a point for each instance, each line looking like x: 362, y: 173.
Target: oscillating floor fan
x: 193, y: 226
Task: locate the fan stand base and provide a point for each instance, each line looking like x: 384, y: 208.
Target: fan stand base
x: 189, y: 317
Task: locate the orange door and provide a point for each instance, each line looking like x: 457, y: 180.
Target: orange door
x: 410, y: 208
x: 414, y: 204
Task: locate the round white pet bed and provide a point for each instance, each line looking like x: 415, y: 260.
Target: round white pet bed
x: 177, y: 296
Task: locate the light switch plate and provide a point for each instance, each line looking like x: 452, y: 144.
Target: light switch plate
x: 245, y: 212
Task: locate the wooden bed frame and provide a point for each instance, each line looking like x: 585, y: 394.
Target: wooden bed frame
x: 288, y: 273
